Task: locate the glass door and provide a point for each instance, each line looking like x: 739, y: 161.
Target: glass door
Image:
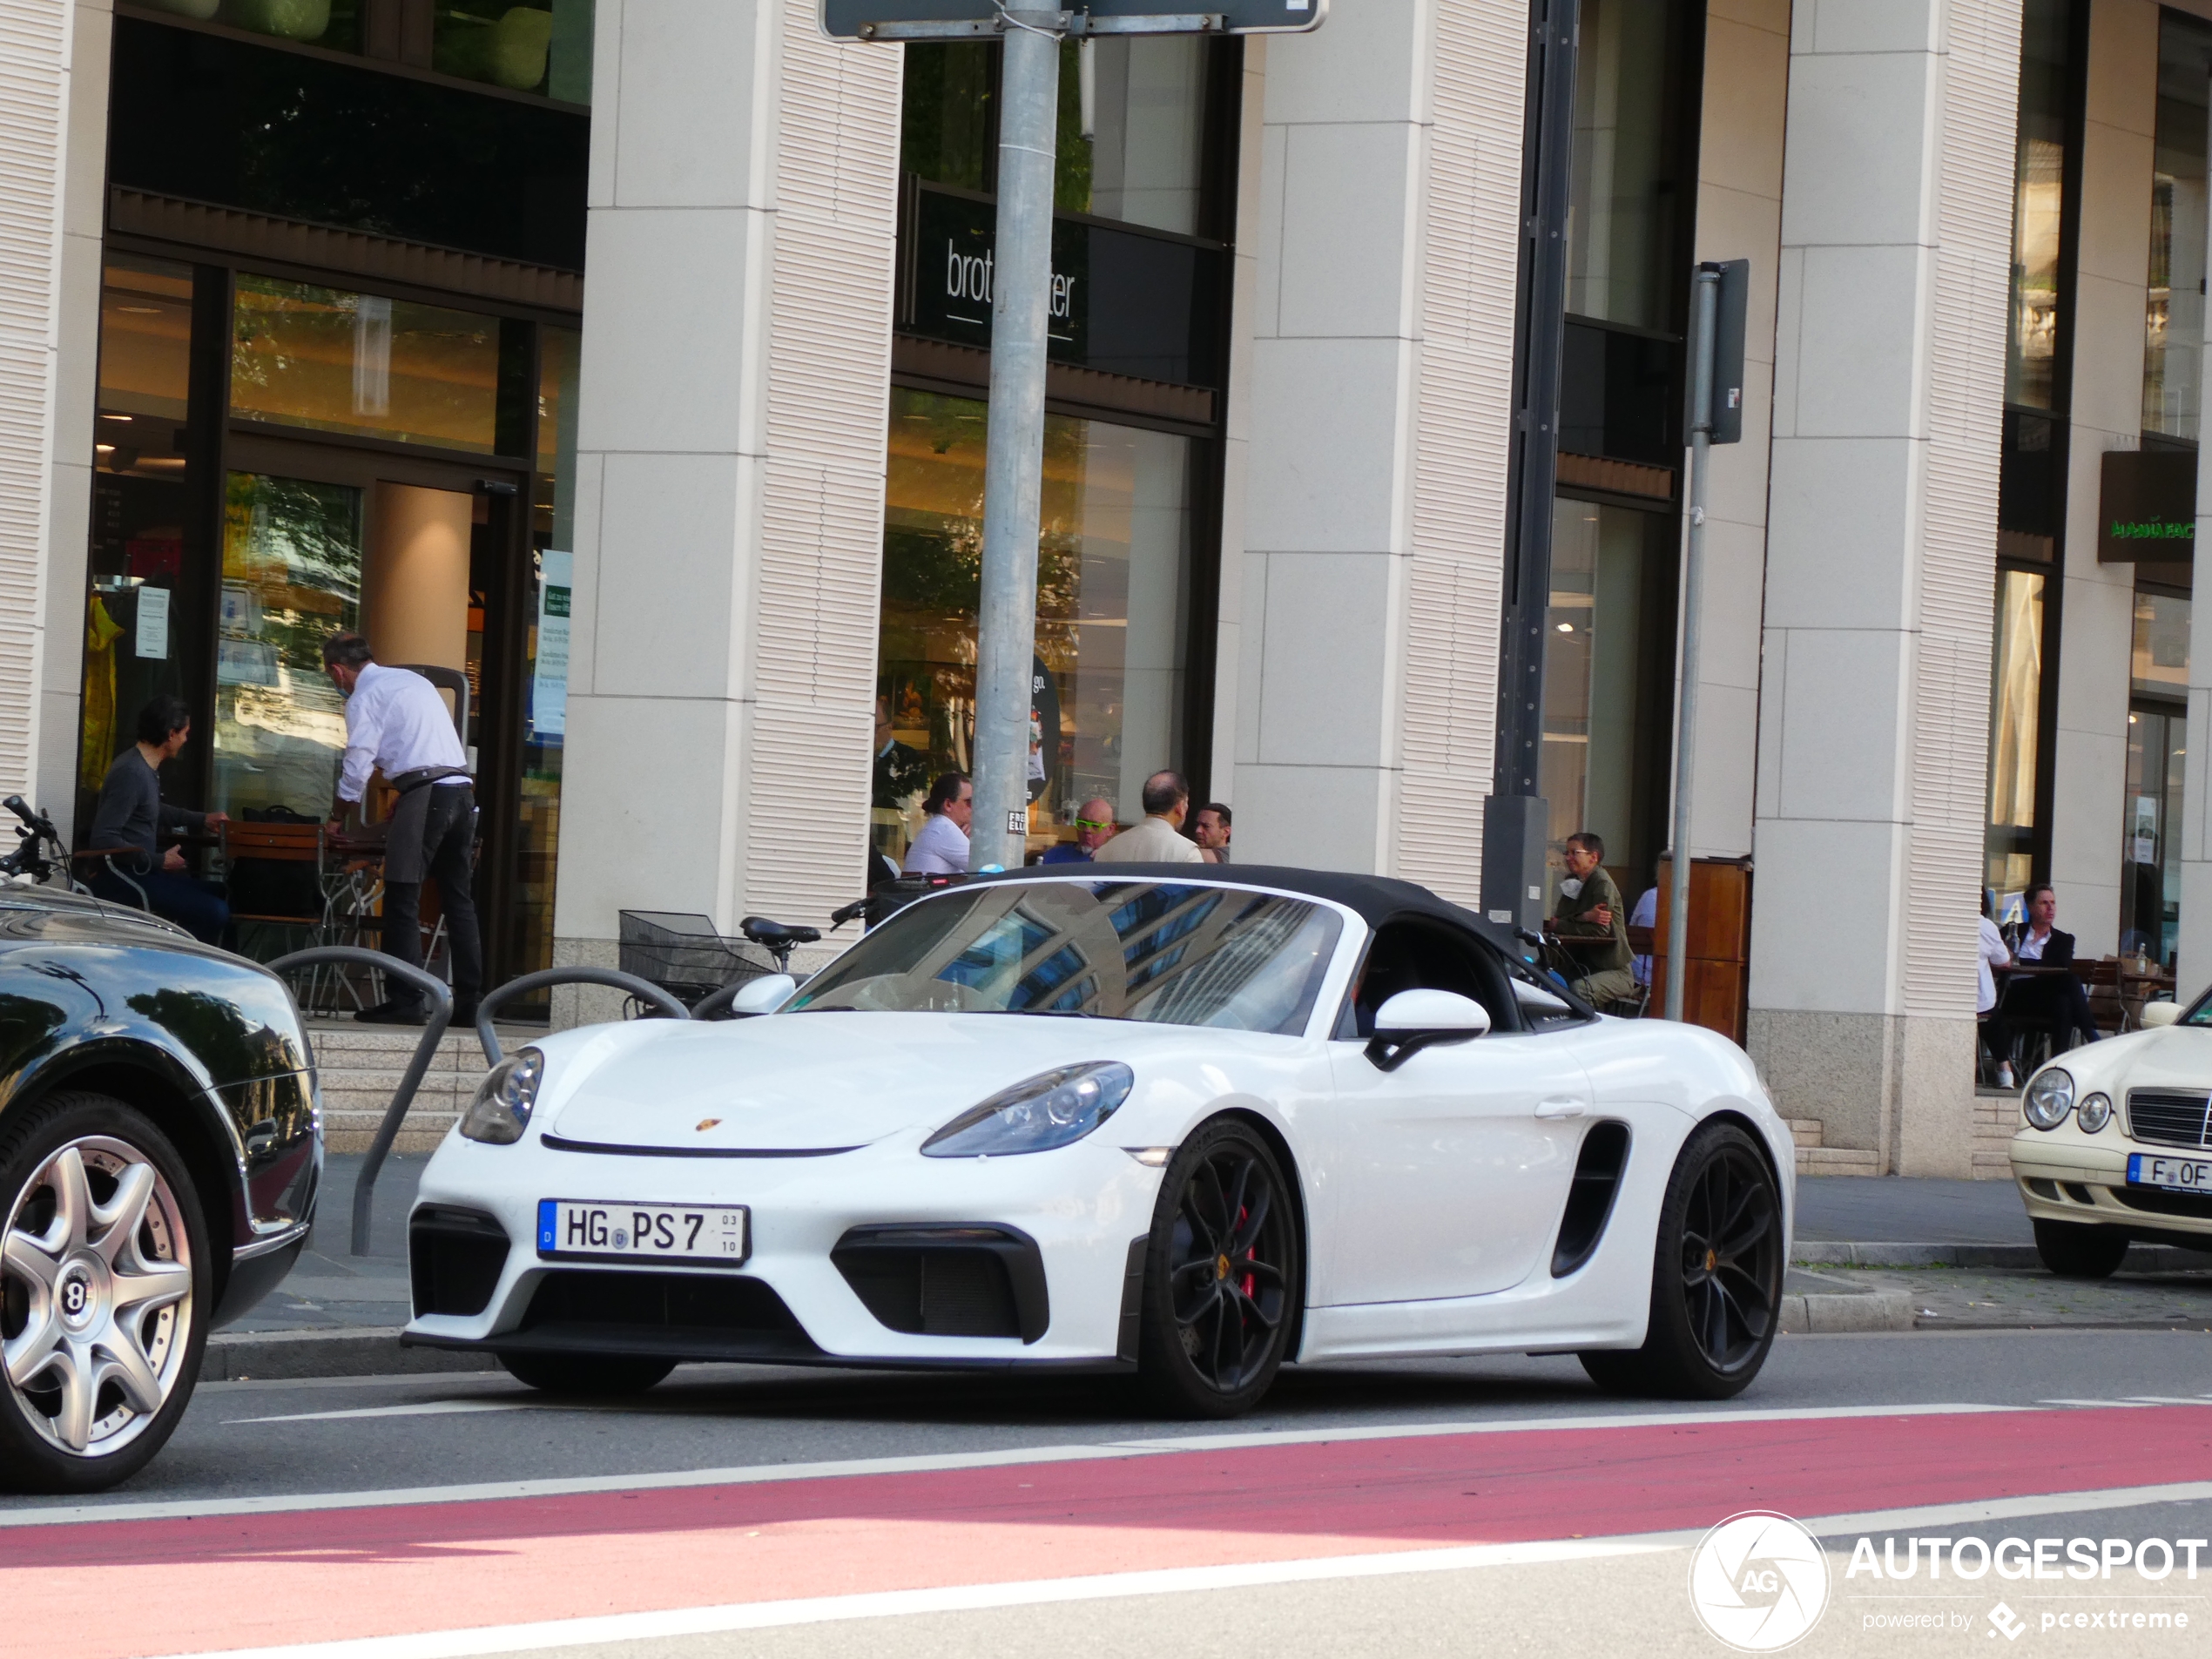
x: 2150, y: 869
x: 292, y: 577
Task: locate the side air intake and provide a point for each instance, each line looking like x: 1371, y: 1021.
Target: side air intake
x: 1589, y: 1203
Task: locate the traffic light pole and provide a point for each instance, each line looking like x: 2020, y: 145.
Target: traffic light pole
x: 1013, y: 459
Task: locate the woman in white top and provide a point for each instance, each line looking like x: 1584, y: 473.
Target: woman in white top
x: 941, y: 849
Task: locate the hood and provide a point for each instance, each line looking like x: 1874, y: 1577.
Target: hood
x: 2174, y: 1056
x: 800, y: 1082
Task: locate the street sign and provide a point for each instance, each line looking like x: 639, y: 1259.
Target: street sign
x: 965, y: 20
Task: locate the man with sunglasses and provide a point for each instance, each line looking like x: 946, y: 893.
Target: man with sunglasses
x: 1093, y: 828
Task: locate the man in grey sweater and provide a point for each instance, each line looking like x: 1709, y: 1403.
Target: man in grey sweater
x: 131, y: 818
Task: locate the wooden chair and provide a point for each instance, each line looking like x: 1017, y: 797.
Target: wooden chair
x: 264, y: 898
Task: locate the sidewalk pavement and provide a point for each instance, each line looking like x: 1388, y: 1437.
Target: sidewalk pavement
x: 1872, y: 1254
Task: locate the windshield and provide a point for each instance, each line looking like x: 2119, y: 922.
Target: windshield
x: 1166, y: 952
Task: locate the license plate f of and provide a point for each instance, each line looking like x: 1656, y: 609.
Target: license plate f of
x: 2178, y: 1175
x: 660, y: 1233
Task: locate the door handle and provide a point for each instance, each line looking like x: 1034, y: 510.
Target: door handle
x: 1562, y: 1108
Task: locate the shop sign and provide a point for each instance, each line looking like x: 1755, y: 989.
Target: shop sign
x: 1123, y: 300
x: 2147, y: 511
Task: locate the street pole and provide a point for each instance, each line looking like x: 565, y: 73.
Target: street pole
x: 1014, y: 461
x: 1705, y: 308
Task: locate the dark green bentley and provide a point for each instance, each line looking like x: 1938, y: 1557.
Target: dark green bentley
x: 159, y: 1152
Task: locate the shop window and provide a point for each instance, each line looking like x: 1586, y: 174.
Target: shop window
x: 333, y: 24
x: 1610, y: 630
x: 2039, y: 190
x: 1113, y: 562
x: 292, y: 577
x: 525, y: 49
x: 1624, y: 225
x: 142, y: 599
x: 946, y: 122
x: 365, y: 365
x: 2173, y: 306
x: 1132, y: 131
x: 2015, y: 720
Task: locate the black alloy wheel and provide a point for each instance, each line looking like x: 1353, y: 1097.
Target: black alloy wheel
x: 1224, y: 1274
x: 2073, y: 1251
x: 1716, y: 1276
x: 590, y: 1376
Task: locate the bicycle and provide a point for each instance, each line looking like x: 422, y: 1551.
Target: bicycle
x: 39, y: 853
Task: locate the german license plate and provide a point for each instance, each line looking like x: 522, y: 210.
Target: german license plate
x: 2175, y: 1174
x: 659, y: 1232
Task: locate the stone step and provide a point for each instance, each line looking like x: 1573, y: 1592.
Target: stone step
x: 1805, y: 1130
x: 1836, y: 1160
x: 358, y: 1068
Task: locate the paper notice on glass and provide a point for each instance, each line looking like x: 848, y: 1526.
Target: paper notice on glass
x: 549, y: 684
x: 153, y: 622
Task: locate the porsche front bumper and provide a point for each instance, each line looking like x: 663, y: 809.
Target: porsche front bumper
x: 839, y: 1243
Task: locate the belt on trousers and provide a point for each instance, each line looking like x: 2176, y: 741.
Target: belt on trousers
x: 407, y: 782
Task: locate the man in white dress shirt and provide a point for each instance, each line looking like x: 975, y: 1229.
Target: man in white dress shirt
x: 396, y: 723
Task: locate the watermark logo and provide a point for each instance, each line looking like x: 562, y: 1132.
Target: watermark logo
x: 2009, y: 1624
x: 1758, y: 1582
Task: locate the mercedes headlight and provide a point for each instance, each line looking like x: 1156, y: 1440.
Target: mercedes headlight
x: 2093, y: 1113
x: 500, y: 1110
x: 2050, y: 1097
x: 1047, y: 1110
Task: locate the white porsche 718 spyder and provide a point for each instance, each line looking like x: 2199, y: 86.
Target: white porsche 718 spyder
x: 1196, y: 1125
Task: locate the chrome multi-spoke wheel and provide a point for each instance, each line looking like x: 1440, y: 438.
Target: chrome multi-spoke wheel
x: 99, y: 1297
x: 1716, y: 1276
x: 1223, y: 1274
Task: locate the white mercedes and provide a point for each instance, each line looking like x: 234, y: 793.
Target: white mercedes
x: 2115, y: 1147
x: 1194, y: 1125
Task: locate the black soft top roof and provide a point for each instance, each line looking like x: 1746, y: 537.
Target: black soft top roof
x: 1376, y: 899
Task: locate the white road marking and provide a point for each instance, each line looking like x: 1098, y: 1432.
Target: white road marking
x: 964, y: 1598
x: 420, y: 1408
x: 478, y: 1492
x: 662, y: 1624
x: 2106, y: 1404
x: 2166, y: 1399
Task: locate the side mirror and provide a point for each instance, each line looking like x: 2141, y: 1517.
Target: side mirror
x: 1411, y: 1021
x: 763, y: 996
x: 2158, y: 1014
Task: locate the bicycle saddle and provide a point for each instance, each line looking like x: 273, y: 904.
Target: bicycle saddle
x: 777, y: 935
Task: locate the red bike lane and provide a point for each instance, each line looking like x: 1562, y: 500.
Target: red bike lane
x: 325, y: 1574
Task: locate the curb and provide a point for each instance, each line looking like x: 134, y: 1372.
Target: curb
x: 1824, y: 1306
x: 359, y: 1350
x: 2142, y: 1259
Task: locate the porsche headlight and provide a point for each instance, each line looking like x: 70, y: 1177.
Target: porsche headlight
x: 1049, y: 1109
x: 2050, y: 1097
x: 2093, y: 1113
x: 500, y: 1110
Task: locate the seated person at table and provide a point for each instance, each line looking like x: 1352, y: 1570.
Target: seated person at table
x: 1993, y: 954
x: 2057, y: 1002
x: 132, y: 817
x: 1589, y: 908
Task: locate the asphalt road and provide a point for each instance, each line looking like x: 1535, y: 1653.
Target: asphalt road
x: 1495, y: 1506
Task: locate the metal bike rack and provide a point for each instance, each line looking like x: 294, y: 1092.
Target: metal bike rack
x: 643, y: 990
x: 434, y: 1031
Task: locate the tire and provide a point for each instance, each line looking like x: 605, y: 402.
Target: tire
x: 1224, y: 1275
x: 1716, y: 1276
x: 2074, y: 1251
x: 106, y: 1283
x: 596, y: 1376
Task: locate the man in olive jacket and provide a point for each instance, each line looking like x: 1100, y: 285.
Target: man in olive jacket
x: 1589, y: 908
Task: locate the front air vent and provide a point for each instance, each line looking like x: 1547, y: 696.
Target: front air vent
x: 948, y: 1280
x: 454, y: 1258
x: 1589, y: 1201
x: 2169, y: 1118
x: 682, y: 1315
